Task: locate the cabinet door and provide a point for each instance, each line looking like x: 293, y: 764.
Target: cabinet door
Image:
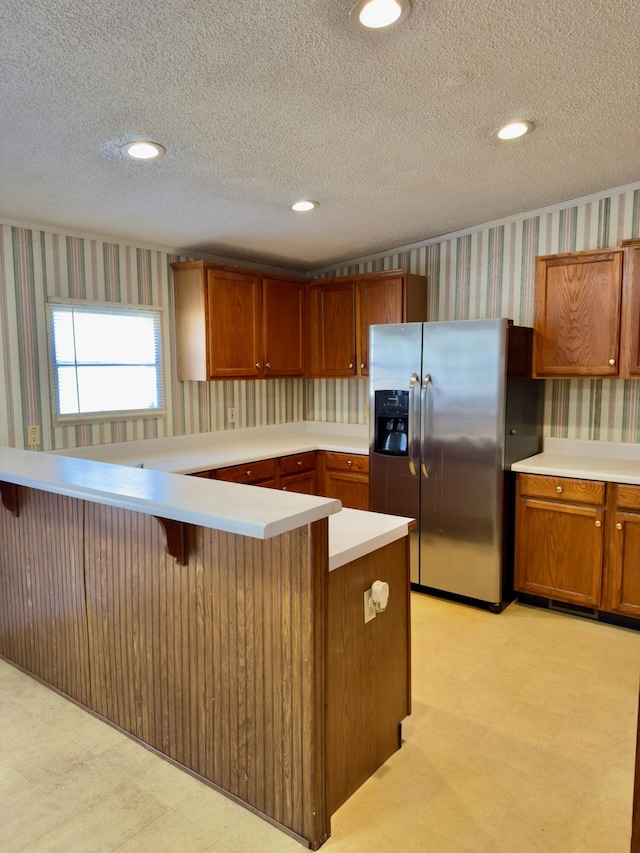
x: 625, y: 564
x: 303, y: 484
x: 559, y: 551
x: 282, y: 327
x: 351, y: 489
x: 234, y: 329
x: 624, y: 551
x: 577, y: 314
x: 379, y: 301
x: 332, y: 329
x: 346, y: 478
x: 630, y: 343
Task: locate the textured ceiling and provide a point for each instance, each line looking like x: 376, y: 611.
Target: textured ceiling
x: 264, y: 102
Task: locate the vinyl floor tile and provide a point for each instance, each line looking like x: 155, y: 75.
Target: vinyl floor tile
x: 522, y: 740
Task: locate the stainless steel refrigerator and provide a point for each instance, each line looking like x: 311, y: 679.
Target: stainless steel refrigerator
x: 452, y: 406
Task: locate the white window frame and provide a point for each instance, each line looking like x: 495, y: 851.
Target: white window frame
x: 111, y: 308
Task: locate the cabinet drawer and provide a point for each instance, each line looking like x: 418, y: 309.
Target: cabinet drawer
x: 297, y: 462
x: 628, y: 497
x: 346, y: 462
x: 562, y: 488
x: 250, y: 472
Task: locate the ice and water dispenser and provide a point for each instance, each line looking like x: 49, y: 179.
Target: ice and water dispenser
x: 391, y: 422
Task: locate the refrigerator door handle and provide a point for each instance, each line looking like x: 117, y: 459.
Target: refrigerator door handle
x: 423, y: 425
x: 413, y: 456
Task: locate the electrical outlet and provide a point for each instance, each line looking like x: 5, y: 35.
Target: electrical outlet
x: 33, y: 435
x: 369, y: 609
x: 231, y: 415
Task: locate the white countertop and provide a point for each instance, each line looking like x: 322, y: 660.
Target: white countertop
x: 232, y: 507
x: 611, y: 461
x: 185, y: 454
x: 354, y: 533
x: 106, y: 475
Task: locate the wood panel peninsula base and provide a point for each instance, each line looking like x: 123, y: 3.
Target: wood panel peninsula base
x: 247, y: 666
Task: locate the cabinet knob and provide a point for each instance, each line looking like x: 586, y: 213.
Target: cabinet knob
x: 558, y: 488
x: 350, y: 365
x: 349, y: 462
x: 362, y: 366
x: 249, y: 472
x: 612, y: 361
x: 598, y: 524
x: 284, y: 488
x: 268, y: 364
x: 299, y: 462
x: 258, y: 365
x: 618, y: 526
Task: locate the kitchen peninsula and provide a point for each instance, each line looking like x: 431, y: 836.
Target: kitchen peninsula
x: 220, y: 624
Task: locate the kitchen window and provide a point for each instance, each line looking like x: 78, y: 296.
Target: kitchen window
x: 105, y: 360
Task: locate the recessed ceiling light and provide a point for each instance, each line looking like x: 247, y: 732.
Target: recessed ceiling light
x: 514, y: 129
x: 379, y: 14
x: 303, y: 206
x: 144, y: 150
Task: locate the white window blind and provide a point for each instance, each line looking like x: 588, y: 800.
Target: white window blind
x: 105, y: 359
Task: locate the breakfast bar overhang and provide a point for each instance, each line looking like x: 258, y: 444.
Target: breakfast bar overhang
x: 203, y: 619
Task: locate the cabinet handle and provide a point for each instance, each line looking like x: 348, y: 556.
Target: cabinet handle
x: 258, y: 365
x: 349, y: 462
x: 598, y: 524
x: 618, y: 526
x: 612, y: 361
x: 558, y: 488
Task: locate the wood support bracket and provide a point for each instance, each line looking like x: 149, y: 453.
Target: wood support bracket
x: 175, y: 538
x: 9, y: 497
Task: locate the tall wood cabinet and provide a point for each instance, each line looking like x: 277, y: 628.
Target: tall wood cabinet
x: 340, y: 311
x: 587, y: 314
x: 578, y: 541
x: 237, y: 324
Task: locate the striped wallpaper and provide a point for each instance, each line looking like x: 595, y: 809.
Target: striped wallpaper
x: 485, y: 272
x: 490, y: 272
x: 37, y: 264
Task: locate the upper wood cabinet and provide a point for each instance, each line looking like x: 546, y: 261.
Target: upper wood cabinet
x: 630, y: 344
x: 332, y: 329
x: 587, y: 314
x: 341, y: 310
x: 283, y: 327
x: 233, y: 324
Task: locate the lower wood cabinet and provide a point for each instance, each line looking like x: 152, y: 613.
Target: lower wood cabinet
x: 623, y: 573
x: 345, y: 476
x: 560, y: 538
x: 578, y: 541
x: 261, y: 473
x: 298, y: 473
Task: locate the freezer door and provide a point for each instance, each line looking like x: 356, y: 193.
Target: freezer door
x: 463, y: 403
x: 395, y: 356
